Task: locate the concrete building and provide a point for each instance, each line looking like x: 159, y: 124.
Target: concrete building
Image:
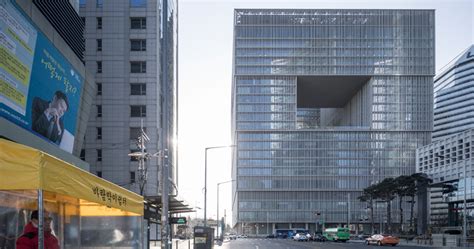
x: 325, y: 103
x: 124, y: 50
x: 448, y: 160
x: 42, y: 54
x: 131, y: 49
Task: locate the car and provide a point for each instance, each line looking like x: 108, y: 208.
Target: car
x: 300, y: 237
x: 270, y: 236
x: 382, y: 239
x: 232, y: 236
x: 319, y: 237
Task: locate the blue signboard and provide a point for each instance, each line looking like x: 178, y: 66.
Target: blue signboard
x: 39, y: 89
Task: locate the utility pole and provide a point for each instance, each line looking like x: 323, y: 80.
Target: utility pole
x: 165, y: 236
x: 141, y: 156
x: 142, y: 170
x: 348, y: 211
x: 464, y: 223
x: 164, y: 180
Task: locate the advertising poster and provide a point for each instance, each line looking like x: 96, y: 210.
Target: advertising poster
x: 39, y: 90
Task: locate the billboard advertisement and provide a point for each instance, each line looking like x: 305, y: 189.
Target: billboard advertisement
x: 39, y: 89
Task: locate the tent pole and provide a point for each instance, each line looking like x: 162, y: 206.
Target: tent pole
x: 41, y: 220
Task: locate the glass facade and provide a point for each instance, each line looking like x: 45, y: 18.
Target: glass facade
x: 293, y: 160
x: 451, y: 151
x: 453, y: 97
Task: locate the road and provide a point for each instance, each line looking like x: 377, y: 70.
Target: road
x: 289, y: 244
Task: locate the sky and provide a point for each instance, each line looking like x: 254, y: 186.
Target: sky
x: 205, y: 80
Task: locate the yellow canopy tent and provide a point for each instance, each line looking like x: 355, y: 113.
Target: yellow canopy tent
x: 25, y: 168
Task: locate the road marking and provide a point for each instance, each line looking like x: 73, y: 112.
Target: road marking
x: 256, y: 247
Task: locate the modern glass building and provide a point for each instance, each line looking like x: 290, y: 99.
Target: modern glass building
x: 454, y: 96
x: 448, y: 159
x: 325, y: 102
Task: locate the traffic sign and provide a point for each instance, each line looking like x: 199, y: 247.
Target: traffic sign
x: 177, y: 220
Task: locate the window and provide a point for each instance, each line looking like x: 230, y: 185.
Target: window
x: 138, y: 3
x: 138, y: 22
x: 132, y: 176
x: 135, y: 132
x: 83, y: 19
x: 99, y: 22
x: 138, y: 45
x: 99, y: 111
x: 99, y: 67
x: 138, y: 111
x: 99, y: 155
x: 82, y: 3
x: 138, y: 66
x: 99, y: 89
x: 99, y: 3
x: 99, y: 132
x: 99, y: 44
x: 99, y: 174
x: 138, y: 89
x: 83, y: 155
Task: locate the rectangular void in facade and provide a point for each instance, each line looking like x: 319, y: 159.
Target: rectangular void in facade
x: 327, y: 91
x: 326, y: 103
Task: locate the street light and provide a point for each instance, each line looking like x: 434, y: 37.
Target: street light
x: 218, y: 184
x: 205, y: 177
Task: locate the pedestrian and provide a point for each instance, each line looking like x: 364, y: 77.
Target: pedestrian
x: 29, y: 238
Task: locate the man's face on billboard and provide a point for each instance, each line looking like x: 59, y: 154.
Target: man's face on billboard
x: 60, y: 105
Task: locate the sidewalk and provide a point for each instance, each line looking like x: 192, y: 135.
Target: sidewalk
x: 427, y: 244
x: 180, y: 244
x: 177, y: 244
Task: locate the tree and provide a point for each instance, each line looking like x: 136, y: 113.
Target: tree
x: 368, y: 196
x: 405, y: 186
x: 385, y: 191
x: 421, y: 181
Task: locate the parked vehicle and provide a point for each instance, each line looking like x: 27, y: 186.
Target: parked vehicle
x: 271, y: 236
x: 289, y: 233
x: 300, y: 237
x: 319, y: 237
x: 337, y: 234
x: 381, y: 240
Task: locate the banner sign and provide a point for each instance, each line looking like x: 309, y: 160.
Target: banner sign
x: 39, y: 89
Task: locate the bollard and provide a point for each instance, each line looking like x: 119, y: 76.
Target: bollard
x: 189, y: 243
x: 176, y: 244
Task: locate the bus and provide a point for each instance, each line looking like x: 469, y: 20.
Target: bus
x: 337, y: 234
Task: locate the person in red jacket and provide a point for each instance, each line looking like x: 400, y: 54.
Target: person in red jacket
x: 29, y: 238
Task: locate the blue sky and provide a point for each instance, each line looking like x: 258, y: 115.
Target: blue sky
x: 205, y: 78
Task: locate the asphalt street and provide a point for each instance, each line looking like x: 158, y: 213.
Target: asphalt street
x: 289, y: 244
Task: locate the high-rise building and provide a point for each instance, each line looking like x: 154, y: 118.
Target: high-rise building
x: 448, y: 159
x: 453, y: 96
x: 131, y: 51
x: 326, y: 103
